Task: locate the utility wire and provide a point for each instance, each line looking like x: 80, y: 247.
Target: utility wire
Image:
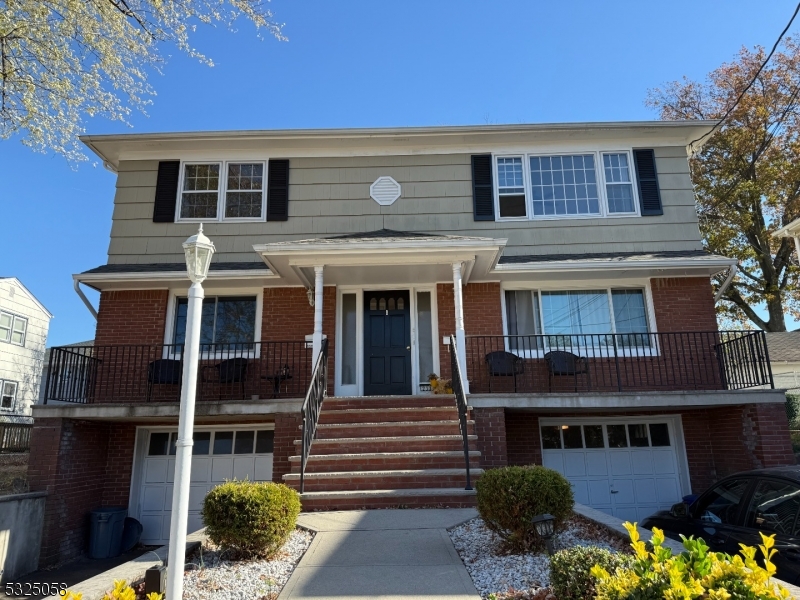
x: 749, y: 85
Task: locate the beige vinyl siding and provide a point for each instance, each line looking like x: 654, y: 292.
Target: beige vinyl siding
x: 330, y: 196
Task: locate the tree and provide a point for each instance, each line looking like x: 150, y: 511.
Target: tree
x: 64, y: 60
x: 747, y: 177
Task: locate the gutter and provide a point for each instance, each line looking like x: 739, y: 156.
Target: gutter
x: 77, y: 285
x: 555, y: 266
x: 727, y: 283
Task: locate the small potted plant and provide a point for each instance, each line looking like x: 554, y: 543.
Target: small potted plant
x: 433, y: 378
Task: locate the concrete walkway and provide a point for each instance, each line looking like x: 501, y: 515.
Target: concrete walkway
x: 387, y: 554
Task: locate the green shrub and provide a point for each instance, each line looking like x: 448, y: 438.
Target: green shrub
x: 695, y: 573
x: 570, y: 577
x: 793, y: 410
x: 251, y: 519
x: 508, y: 498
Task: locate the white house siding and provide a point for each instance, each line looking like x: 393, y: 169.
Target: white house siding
x: 23, y: 364
x: 330, y: 196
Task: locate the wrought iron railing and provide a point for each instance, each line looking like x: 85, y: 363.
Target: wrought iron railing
x: 461, y: 402
x: 712, y: 360
x: 15, y: 437
x: 153, y: 373
x: 312, y: 406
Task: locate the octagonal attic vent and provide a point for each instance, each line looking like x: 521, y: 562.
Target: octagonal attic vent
x: 384, y: 191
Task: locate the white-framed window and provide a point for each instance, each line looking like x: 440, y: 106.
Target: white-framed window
x: 535, y: 319
x: 568, y: 185
x: 222, y: 191
x: 13, y: 328
x: 8, y: 394
x: 226, y: 320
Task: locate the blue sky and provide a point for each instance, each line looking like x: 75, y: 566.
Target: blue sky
x: 367, y: 64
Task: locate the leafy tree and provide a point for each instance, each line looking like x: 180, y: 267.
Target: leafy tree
x: 64, y: 60
x: 747, y: 177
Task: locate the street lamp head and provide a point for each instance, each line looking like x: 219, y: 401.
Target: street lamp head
x: 544, y: 525
x: 198, y: 250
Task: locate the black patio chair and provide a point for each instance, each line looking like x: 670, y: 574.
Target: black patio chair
x: 283, y: 374
x: 230, y: 370
x: 561, y: 363
x: 164, y: 371
x: 504, y: 364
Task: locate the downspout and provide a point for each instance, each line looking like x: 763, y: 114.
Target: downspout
x: 79, y: 291
x: 727, y: 283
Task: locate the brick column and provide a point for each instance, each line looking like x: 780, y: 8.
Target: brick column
x: 522, y: 433
x: 287, y: 430
x: 490, y: 427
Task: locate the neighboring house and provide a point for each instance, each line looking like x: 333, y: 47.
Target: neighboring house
x: 66, y: 379
x: 784, y: 357
x: 24, y: 322
x: 565, y: 259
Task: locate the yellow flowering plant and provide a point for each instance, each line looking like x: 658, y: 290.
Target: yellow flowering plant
x: 694, y: 573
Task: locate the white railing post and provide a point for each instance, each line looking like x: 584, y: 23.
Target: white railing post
x: 317, y: 337
x: 461, y: 341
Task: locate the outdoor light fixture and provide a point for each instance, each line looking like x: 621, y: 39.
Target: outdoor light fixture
x: 544, y: 525
x: 199, y: 251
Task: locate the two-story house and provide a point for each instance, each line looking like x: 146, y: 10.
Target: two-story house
x: 24, y: 322
x: 559, y: 267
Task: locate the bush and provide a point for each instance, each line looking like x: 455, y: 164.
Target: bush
x: 251, y: 519
x: 570, y: 577
x: 509, y: 497
x: 695, y: 573
x: 793, y: 410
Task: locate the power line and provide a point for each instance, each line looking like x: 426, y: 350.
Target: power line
x: 749, y: 85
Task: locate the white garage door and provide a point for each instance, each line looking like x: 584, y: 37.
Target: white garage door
x: 629, y: 469
x: 217, y: 455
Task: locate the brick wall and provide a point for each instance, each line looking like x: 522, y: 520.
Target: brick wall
x: 131, y: 317
x: 119, y: 464
x: 522, y: 430
x: 482, y: 314
x: 490, y: 427
x: 684, y: 304
x: 287, y: 430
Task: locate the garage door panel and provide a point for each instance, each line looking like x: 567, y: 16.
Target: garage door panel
x: 171, y: 470
x: 574, y: 464
x: 667, y: 490
x: 196, y: 495
x: 244, y: 467
x: 645, y: 491
x: 664, y: 462
x: 221, y: 469
x: 201, y: 467
x: 642, y: 462
x: 151, y: 528
x: 553, y: 460
x: 596, y: 463
x: 155, y: 470
x: 599, y: 493
x: 580, y: 491
x: 626, y: 513
x: 194, y: 522
x: 264, y: 468
x: 624, y: 491
x: 153, y: 498
x: 620, y: 462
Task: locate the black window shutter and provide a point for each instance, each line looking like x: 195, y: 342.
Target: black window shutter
x: 482, y: 189
x: 166, y: 191
x: 649, y: 194
x: 278, y: 190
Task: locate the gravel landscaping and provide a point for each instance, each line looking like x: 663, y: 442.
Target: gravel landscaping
x: 215, y: 576
x: 520, y: 576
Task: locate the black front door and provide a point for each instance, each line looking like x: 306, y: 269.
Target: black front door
x: 387, y: 343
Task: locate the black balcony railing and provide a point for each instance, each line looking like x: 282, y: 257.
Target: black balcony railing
x: 718, y: 360
x: 153, y: 373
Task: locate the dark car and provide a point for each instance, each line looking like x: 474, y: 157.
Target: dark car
x: 736, y: 508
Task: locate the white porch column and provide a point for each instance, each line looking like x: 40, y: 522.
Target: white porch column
x: 461, y: 342
x: 317, y: 338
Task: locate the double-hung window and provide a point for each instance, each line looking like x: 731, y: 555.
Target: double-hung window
x: 231, y: 191
x: 8, y: 394
x: 576, y: 318
x: 228, y: 322
x: 565, y: 185
x: 13, y: 328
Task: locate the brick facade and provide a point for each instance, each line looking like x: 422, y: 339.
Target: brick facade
x: 287, y: 430
x: 131, y: 317
x: 490, y: 427
x: 684, y: 304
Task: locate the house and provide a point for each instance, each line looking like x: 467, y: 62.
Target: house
x: 557, y: 268
x: 784, y: 358
x: 24, y: 322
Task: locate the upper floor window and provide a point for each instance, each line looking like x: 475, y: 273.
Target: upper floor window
x: 222, y: 191
x: 225, y: 320
x: 565, y: 185
x: 13, y: 328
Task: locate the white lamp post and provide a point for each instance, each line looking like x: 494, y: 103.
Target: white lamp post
x: 198, y: 250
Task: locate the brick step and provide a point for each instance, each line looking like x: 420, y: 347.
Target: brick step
x: 343, y: 403
x: 382, y: 480
x: 385, y: 461
x: 336, y: 430
x: 404, y: 443
x: 385, y: 415
x: 352, y: 500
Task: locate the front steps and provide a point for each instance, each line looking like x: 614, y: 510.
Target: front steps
x: 376, y: 452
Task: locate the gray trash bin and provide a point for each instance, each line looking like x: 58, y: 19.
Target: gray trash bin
x: 105, y: 531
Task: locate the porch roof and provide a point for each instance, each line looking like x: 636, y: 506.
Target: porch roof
x: 382, y: 256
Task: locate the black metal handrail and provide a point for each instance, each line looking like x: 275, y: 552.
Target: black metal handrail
x: 15, y: 437
x: 312, y: 406
x: 635, y: 362
x: 461, y: 403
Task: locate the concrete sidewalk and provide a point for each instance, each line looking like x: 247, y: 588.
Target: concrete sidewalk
x: 387, y: 554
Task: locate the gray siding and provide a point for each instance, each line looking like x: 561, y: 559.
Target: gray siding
x: 330, y: 196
